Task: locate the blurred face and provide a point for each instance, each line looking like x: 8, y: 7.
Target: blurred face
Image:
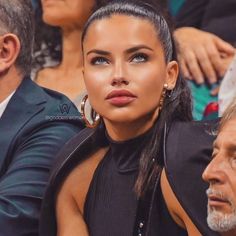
x: 67, y: 13
x: 125, y: 69
x: 221, y: 175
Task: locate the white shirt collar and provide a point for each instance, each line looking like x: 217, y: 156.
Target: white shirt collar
x: 4, y: 103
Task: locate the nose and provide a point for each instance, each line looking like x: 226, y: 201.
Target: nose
x: 119, y: 76
x: 214, y: 172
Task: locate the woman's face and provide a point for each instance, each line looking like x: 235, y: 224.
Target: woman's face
x: 67, y: 13
x: 125, y: 69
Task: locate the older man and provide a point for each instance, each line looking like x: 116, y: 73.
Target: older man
x: 34, y: 124
x: 221, y: 175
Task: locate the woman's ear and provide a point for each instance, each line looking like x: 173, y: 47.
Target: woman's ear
x: 9, y: 51
x: 172, y: 74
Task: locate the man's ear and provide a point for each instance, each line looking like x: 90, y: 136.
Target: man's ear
x: 9, y: 51
x: 172, y: 74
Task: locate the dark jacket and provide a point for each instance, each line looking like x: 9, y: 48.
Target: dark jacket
x: 186, y: 149
x: 215, y: 16
x: 35, y: 125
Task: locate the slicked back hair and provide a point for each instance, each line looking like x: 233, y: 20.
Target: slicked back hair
x: 142, y: 10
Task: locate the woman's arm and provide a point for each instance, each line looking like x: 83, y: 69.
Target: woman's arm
x: 72, y: 196
x: 70, y: 221
x: 175, y: 209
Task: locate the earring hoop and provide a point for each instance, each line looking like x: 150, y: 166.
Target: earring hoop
x: 95, y: 117
x: 163, y: 95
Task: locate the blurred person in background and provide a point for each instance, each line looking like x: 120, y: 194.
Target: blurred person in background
x: 205, y: 37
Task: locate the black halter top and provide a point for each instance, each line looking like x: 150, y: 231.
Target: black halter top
x: 111, y: 203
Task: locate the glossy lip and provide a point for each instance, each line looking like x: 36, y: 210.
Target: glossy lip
x: 120, y: 97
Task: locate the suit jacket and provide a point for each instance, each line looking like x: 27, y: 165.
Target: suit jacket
x: 187, y: 148
x: 36, y: 123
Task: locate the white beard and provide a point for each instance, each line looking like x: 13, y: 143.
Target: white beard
x: 221, y: 222
x: 218, y: 221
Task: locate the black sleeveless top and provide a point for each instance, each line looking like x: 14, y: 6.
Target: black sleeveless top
x: 111, y: 203
x: 111, y: 207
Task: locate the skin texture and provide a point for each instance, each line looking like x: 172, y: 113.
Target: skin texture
x: 203, y: 56
x: 70, y: 16
x: 221, y: 172
x: 137, y: 65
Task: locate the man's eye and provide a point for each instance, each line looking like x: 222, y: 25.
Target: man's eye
x: 140, y: 57
x: 99, y: 61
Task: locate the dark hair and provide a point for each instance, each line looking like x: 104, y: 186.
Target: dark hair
x: 177, y: 103
x: 48, y: 38
x: 16, y: 16
x: 144, y: 11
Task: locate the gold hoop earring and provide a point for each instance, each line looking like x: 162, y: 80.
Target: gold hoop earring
x: 95, y: 118
x: 163, y: 95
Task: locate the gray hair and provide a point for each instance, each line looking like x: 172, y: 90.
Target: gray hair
x: 16, y: 17
x: 229, y: 113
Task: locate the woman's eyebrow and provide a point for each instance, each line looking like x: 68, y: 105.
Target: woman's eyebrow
x: 97, y: 51
x: 128, y: 51
x: 138, y: 47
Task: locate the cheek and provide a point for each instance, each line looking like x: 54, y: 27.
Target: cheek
x: 150, y: 84
x: 95, y: 86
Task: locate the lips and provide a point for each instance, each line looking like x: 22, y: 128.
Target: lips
x: 216, y: 201
x: 120, y: 97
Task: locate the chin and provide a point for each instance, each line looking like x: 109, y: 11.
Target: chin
x: 220, y: 221
x: 51, y: 20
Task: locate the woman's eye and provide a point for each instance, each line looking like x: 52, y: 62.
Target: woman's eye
x: 140, y: 57
x: 99, y: 61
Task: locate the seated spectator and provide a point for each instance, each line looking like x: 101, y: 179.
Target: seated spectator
x: 117, y: 177
x: 221, y: 176
x: 34, y: 124
x: 206, y: 39
x: 65, y: 73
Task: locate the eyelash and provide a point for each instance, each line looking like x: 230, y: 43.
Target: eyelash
x: 103, y: 60
x: 140, y: 55
x: 99, y: 61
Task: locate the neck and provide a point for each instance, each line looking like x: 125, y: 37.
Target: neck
x: 71, y: 50
x: 121, y: 131
x: 9, y: 82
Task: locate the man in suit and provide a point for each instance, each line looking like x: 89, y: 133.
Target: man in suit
x: 34, y: 124
x: 221, y: 176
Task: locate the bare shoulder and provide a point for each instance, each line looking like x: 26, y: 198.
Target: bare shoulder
x: 71, y: 197
x: 175, y: 209
x: 77, y: 182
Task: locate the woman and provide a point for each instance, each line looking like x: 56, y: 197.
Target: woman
x: 58, y: 55
x: 112, y: 179
x: 69, y: 16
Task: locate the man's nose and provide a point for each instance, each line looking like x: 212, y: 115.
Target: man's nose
x: 215, y: 171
